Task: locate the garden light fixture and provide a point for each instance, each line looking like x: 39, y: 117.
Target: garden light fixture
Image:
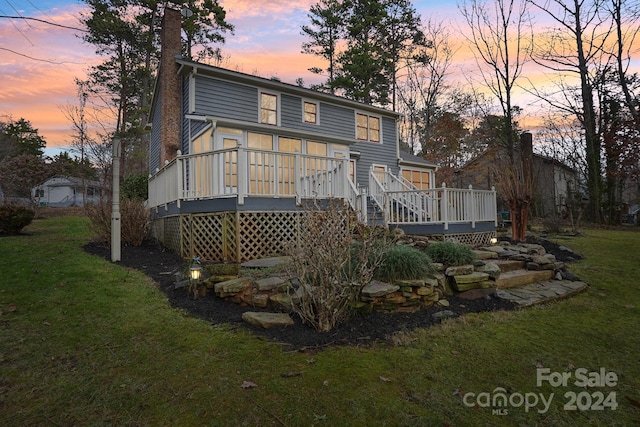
x: 195, y: 271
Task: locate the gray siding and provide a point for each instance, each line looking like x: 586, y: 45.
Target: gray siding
x: 380, y: 154
x: 236, y: 101
x: 332, y: 120
x: 226, y: 99
x: 338, y: 121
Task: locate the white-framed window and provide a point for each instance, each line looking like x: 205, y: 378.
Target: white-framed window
x: 420, y: 178
x: 269, y: 112
x: 368, y: 127
x: 310, y: 112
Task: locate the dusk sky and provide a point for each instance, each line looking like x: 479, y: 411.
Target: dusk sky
x: 38, y: 62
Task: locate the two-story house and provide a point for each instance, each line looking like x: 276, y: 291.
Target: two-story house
x: 233, y: 157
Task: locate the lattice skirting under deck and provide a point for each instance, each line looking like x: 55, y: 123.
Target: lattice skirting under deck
x: 228, y: 236
x: 243, y: 236
x: 471, y: 239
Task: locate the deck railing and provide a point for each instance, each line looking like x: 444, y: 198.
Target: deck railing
x: 436, y: 205
x: 241, y: 172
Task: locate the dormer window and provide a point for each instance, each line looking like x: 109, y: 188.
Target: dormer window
x: 367, y: 127
x: 268, y: 108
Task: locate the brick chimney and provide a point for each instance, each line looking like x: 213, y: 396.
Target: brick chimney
x: 169, y: 85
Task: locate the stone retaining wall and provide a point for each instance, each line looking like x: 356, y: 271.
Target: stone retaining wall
x: 277, y: 291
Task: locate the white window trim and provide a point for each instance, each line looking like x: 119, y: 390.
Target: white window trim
x: 317, y: 104
x: 368, y: 127
x: 278, y: 106
x: 421, y: 170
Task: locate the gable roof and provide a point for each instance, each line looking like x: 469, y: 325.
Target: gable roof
x: 493, y: 150
x: 409, y: 159
x: 68, y: 181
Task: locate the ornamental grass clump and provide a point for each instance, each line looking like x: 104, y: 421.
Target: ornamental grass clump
x: 403, y: 262
x: 449, y: 253
x: 334, y: 258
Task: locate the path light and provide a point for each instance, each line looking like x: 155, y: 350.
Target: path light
x: 195, y: 271
x: 494, y: 240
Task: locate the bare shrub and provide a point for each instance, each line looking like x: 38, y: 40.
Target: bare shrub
x: 552, y: 225
x: 134, y: 219
x: 335, y: 257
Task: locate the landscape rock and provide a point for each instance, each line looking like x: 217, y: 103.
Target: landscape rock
x: 508, y: 253
x: 267, y: 320
x: 437, y: 266
x: 233, y: 286
x: 473, y: 277
x: 483, y: 254
x: 377, y: 288
x: 269, y: 283
x: 281, y: 301
x: 459, y: 270
x: 444, y: 314
x: 541, y: 260
x: 533, y: 266
x: 495, y: 249
x: 491, y: 268
x: 567, y: 275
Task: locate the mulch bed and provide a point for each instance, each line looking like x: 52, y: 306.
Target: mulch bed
x: 160, y: 263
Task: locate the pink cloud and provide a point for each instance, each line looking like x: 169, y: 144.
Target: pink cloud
x: 38, y: 76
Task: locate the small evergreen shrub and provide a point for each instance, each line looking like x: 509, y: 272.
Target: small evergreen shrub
x: 135, y: 187
x: 13, y: 218
x: 449, y: 253
x: 403, y: 262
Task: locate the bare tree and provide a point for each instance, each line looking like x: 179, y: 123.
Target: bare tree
x: 424, y: 85
x: 626, y: 18
x: 575, y: 46
x: 502, y: 39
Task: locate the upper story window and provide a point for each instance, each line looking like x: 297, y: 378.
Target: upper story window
x: 310, y: 112
x: 268, y: 108
x: 367, y: 127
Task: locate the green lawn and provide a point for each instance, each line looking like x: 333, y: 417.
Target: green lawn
x: 85, y: 342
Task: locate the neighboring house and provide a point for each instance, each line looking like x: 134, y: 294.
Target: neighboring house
x: 64, y: 191
x: 553, y: 181
x: 234, y: 157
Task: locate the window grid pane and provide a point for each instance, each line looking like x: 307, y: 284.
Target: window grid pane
x: 310, y: 112
x: 374, y: 129
x: 268, y: 109
x: 362, y: 127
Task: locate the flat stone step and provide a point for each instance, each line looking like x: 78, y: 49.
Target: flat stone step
x: 513, y: 279
x: 507, y: 265
x: 267, y: 320
x: 541, y: 293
